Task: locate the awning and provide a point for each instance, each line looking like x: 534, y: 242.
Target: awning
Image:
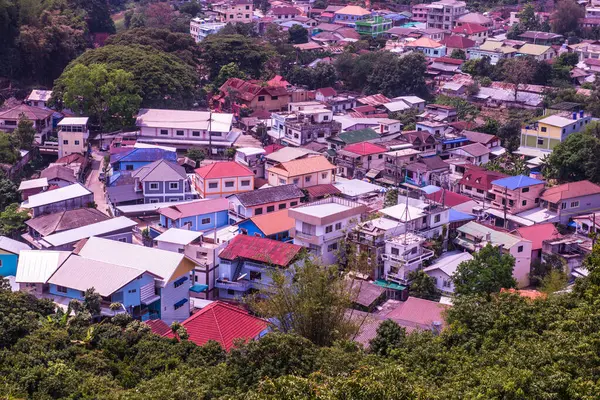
x: 429, y: 189
x: 198, y: 288
x: 180, y: 303
x: 150, y: 300
x: 181, y: 280
x: 389, y: 285
x: 451, y: 141
x: 497, y: 150
x: 372, y: 174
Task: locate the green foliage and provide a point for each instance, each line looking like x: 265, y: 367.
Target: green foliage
x: 24, y: 135
x: 162, y: 80
x: 9, y: 154
x: 566, y: 16
x: 231, y: 70
x: 323, y: 75
x: 390, y: 336
x: 458, y: 54
x: 575, y: 159
x: 109, y: 97
x: 489, y: 271
x: 298, y: 34
x: 383, y: 72
x: 423, y: 286
x: 196, y: 154
x: 464, y: 109
x: 510, y: 135
x: 12, y: 221
x: 540, y: 269
x: 247, y: 53
x: 391, y: 198
x: 408, y: 118
x: 555, y: 281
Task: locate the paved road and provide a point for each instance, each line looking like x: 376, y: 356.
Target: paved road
x: 94, y: 184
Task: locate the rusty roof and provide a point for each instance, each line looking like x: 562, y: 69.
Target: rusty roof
x: 260, y: 249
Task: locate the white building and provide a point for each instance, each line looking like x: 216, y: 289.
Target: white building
x: 404, y: 254
x: 73, y: 136
x: 444, y: 268
x: 320, y: 225
x: 200, y: 29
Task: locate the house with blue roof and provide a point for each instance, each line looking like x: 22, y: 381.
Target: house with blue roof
x: 140, y: 157
x: 516, y: 194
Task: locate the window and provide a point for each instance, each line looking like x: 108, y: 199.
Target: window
x: 524, y: 203
x: 437, y: 218
x: 329, y: 229
x: 65, y: 142
x: 537, y: 200
x: 424, y: 220
x: 132, y: 291
x: 296, y: 181
x: 332, y: 247
x: 164, y: 132
x: 77, y: 143
x: 338, y: 226
x: 123, y: 240
x: 270, y: 209
x: 196, y: 133
x: 129, y: 168
x: 255, y: 276
x: 229, y: 184
x: 258, y: 211
x: 479, y: 191
x: 520, y: 249
x: 153, y: 201
x: 281, y: 206
x: 293, y: 203
x: 282, y: 181
x: 324, y: 175
x: 525, y: 190
x: 174, y: 185
x: 395, y: 251
x: 205, y: 221
x: 574, y: 204
x: 274, y: 97
x: 180, y: 304
x: 245, y: 183
x: 563, y: 205
x: 154, y: 185
x: 61, y: 289
x: 564, y: 131
x: 468, y: 188
x: 261, y: 98
x: 540, y: 141
x: 307, y: 178
x: 179, y: 133
x: 213, y: 185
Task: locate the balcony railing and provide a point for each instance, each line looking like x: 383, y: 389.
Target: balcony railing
x: 410, y: 258
x: 240, y: 285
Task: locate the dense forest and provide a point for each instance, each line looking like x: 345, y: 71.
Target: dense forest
x: 498, y: 346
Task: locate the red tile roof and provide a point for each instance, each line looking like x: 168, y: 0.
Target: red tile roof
x: 365, y: 148
x: 158, y: 327
x: 469, y: 29
x: 458, y: 42
x: 479, y: 178
x: 449, y: 198
x: 418, y: 313
x: 261, y: 250
x: 322, y: 190
x: 570, y: 191
x: 223, y: 323
x: 537, y: 234
x: 327, y: 92
x: 530, y: 294
x: 223, y: 170
x: 272, y: 148
x: 449, y: 60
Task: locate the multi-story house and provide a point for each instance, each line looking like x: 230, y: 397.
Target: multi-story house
x: 439, y: 113
x: 198, y: 216
x: 38, y: 98
x: 283, y: 13
x: 572, y: 250
x: 495, y: 50
x: 356, y: 160
x: 550, y: 131
x: 163, y: 181
x: 537, y: 51
x: 200, y: 29
x: 222, y: 179
x: 571, y: 199
x: 474, y: 236
x: 475, y: 18
x: 477, y: 183
x: 374, y: 26
x: 321, y: 224
x: 135, y: 158
x: 443, y: 269
x: 444, y: 14
x: 350, y: 14
x: 427, y: 46
x: 253, y: 158
x: 489, y: 141
x: 419, y: 12
x: 235, y: 11
x: 422, y: 141
x: 73, y: 136
x: 432, y: 127
x: 396, y: 160
x: 237, y: 93
x: 426, y: 171
x: 61, y: 199
x: 183, y: 129
x: 263, y: 201
x: 475, y: 32
x: 301, y: 127
x: 304, y: 172
x: 516, y: 194
x: 475, y: 153
x: 41, y: 118
x: 247, y: 261
x: 402, y: 255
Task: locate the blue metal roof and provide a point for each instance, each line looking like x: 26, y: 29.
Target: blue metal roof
x: 459, y: 140
x: 198, y: 288
x: 144, y: 155
x: 516, y: 182
x: 457, y: 216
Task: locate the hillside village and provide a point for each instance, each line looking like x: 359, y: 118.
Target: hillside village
x: 425, y: 152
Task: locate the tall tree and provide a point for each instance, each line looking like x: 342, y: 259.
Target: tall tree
x: 566, y: 16
x: 575, y: 159
x: 389, y: 336
x: 8, y: 151
x: 24, y: 135
x: 518, y: 71
x: 423, y: 286
x: 489, y: 271
x: 510, y: 135
x: 109, y: 97
x: 12, y: 221
x: 298, y: 34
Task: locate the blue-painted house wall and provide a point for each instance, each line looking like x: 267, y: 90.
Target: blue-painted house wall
x: 71, y: 293
x: 8, y: 266
x: 217, y: 220
x: 253, y: 230
x: 122, y: 166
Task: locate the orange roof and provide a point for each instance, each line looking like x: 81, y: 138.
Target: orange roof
x: 530, y: 294
x: 274, y: 222
x: 365, y: 148
x: 352, y: 10
x: 302, y: 166
x: 223, y: 170
x: 537, y: 234
x: 570, y: 191
x: 424, y: 42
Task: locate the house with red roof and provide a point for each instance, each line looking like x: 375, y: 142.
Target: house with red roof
x: 472, y: 31
x: 247, y: 261
x: 356, y: 160
x: 219, y: 321
x: 537, y: 234
x: 571, y: 199
x: 252, y: 95
x: 477, y: 182
x: 325, y: 94
x: 416, y: 313
x: 222, y: 179
x: 457, y: 42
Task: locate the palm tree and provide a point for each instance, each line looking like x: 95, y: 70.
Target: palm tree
x: 114, y: 307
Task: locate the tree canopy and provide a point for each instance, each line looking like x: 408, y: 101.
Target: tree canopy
x: 576, y: 158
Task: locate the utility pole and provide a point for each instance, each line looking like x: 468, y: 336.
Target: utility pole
x: 505, y: 201
x: 209, y: 133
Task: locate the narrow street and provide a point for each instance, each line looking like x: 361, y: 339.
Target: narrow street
x: 93, y: 183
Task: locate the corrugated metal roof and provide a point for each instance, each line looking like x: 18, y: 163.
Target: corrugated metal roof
x: 261, y: 250
x: 196, y: 207
x: 37, y: 266
x: 448, y: 263
x: 275, y: 222
x: 33, y: 184
x: 83, y: 232
x: 12, y: 246
x: 516, y: 182
x: 178, y: 236
x: 302, y: 166
x: 54, y: 196
x: 497, y: 238
x: 269, y: 195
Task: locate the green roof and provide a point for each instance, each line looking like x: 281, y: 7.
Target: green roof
x: 389, y: 285
x: 351, y: 137
x: 497, y: 237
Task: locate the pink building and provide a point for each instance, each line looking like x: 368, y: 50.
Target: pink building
x: 419, y: 12
x: 516, y: 193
